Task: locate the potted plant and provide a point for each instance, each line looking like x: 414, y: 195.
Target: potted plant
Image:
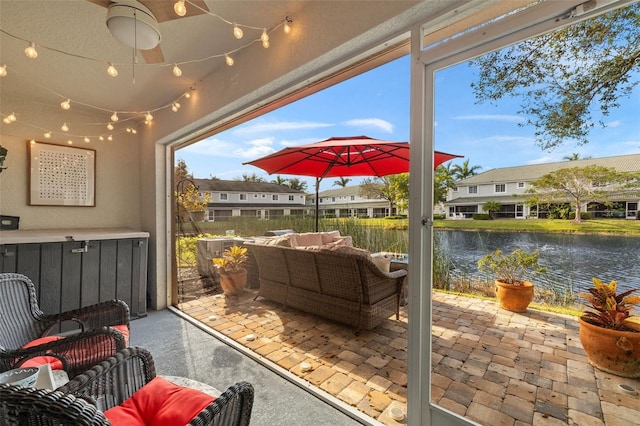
x: 233, y: 277
x: 513, y: 290
x: 609, y: 334
x: 194, y: 203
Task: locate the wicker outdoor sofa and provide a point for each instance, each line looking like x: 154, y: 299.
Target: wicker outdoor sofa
x: 339, y: 283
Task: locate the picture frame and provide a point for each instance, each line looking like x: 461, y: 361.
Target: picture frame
x: 61, y: 175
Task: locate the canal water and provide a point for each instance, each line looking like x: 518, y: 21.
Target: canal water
x: 571, y: 260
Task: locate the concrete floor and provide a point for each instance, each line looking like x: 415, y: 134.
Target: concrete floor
x: 181, y: 349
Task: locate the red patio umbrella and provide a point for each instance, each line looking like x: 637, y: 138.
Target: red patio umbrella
x: 342, y: 156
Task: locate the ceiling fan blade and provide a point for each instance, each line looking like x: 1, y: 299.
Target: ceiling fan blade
x: 163, y: 10
x: 153, y: 56
x: 103, y: 3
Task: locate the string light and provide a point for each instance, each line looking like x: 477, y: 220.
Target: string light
x: 70, y: 142
x: 228, y: 59
x: 176, y: 70
x: 3, y: 70
x: 237, y: 31
x: 101, y: 138
x: 114, y: 116
x: 86, y: 139
x: 148, y: 116
x: 111, y: 70
x: 187, y: 95
x: 286, y: 28
x: 179, y: 8
x: 65, y: 104
x: 110, y: 138
x: 31, y: 51
x: 109, y: 126
x: 9, y: 118
x: 134, y: 131
x: 175, y: 106
x: 265, y: 39
x: 47, y: 135
x: 64, y: 127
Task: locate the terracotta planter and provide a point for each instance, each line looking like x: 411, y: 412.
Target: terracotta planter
x: 514, y: 298
x: 234, y: 283
x: 616, y: 352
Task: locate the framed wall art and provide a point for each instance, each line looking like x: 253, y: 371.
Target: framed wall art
x: 61, y: 175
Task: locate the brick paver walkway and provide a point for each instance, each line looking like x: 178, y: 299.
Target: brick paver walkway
x: 489, y: 365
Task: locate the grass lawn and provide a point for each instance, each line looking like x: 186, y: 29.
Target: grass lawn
x: 597, y: 226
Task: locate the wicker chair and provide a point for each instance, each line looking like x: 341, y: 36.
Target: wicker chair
x: 112, y: 382
x: 22, y: 321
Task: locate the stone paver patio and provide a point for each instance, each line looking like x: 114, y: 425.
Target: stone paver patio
x: 492, y: 366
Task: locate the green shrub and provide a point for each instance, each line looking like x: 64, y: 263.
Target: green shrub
x: 481, y: 216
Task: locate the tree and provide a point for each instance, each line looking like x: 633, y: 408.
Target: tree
x: 574, y: 157
x: 181, y: 172
x: 443, y: 181
x: 252, y: 178
x: 297, y: 184
x: 378, y: 188
x: 464, y: 171
x: 342, y: 182
x: 563, y: 76
x: 399, y: 185
x: 491, y: 206
x: 279, y: 180
x: 581, y: 185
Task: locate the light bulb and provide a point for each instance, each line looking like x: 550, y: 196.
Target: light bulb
x: 176, y: 70
x: 32, y: 141
x: 101, y: 137
x: 264, y: 37
x: 228, y: 59
x: 148, y: 116
x: 187, y: 95
x: 287, y: 27
x: 134, y: 131
x: 47, y: 135
x: 66, y: 104
x: 3, y: 70
x: 70, y: 142
x: 111, y: 70
x: 109, y: 126
x: 114, y: 116
x: 174, y: 107
x: 86, y: 139
x: 109, y: 138
x: 237, y: 32
x: 6, y: 120
x: 179, y: 8
x: 31, y: 51
x: 64, y: 127
x: 266, y: 44
x: 128, y: 129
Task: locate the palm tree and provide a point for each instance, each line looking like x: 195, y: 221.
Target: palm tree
x: 574, y: 156
x: 279, y: 180
x: 464, y: 171
x: 342, y: 182
x: 492, y: 206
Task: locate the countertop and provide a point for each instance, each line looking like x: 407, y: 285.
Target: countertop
x: 70, y: 234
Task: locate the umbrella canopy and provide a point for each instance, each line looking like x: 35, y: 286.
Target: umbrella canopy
x: 343, y: 156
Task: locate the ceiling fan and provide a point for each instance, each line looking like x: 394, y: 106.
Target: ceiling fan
x: 136, y: 23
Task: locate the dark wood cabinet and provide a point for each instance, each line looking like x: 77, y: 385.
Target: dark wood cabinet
x: 81, y: 272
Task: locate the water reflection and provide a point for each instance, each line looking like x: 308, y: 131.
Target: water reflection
x: 571, y: 260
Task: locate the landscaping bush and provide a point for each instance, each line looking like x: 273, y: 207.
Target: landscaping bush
x: 481, y: 216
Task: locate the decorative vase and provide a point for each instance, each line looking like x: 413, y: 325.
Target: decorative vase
x: 514, y: 297
x: 613, y: 351
x: 233, y: 283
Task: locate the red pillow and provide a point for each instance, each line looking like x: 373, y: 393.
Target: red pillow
x: 160, y: 403
x: 125, y: 332
x: 37, y: 361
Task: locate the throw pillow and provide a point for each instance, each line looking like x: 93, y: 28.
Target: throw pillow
x: 159, y: 402
x: 329, y: 237
x: 306, y: 239
x: 382, y: 263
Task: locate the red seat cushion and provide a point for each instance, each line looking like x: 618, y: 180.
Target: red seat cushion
x: 159, y: 402
x: 37, y: 361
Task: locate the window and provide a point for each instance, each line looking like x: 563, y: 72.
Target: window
x: 473, y: 189
x: 501, y: 187
x: 243, y: 197
x: 454, y: 189
x: 353, y: 198
x: 224, y: 196
x: 520, y: 184
x: 255, y: 195
x: 333, y: 199
x: 274, y: 197
x: 290, y: 197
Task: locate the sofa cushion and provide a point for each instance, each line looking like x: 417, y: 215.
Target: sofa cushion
x: 159, y: 402
x: 306, y: 239
x: 329, y: 237
x: 382, y: 263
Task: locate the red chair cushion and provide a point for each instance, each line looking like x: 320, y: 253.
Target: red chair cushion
x: 37, y: 361
x: 159, y: 402
x: 125, y: 333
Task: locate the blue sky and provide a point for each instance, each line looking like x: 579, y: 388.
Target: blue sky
x: 376, y: 104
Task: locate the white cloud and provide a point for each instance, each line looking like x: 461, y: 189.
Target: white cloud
x: 272, y: 126
x: 242, y: 150
x: 614, y: 123
x: 378, y: 123
x: 491, y: 117
x: 541, y: 160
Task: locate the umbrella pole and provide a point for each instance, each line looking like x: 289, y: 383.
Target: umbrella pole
x: 317, y: 208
